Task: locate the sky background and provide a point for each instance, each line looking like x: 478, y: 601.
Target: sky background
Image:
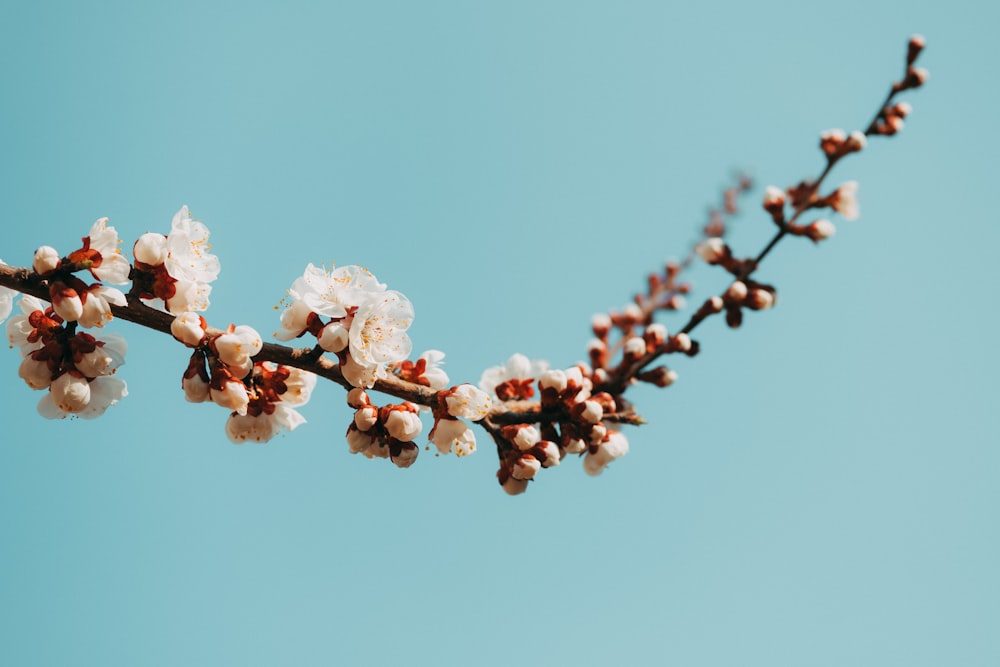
x: 819, y: 488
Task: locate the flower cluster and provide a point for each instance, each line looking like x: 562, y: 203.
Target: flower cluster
x: 450, y: 433
x: 386, y: 432
x: 261, y: 396
x: 74, y: 368
x: 175, y: 270
x: 577, y: 425
x: 352, y: 315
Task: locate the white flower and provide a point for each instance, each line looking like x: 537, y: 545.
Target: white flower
x: 35, y: 373
x: 366, y: 417
x: 358, y: 375
x: 151, y: 249
x: 468, y: 402
x: 66, y: 301
x: 294, y: 320
x: 525, y: 467
x: 435, y: 376
x: 189, y: 295
x: 46, y: 259
x: 19, y: 328
x: 104, y: 391
x: 189, y: 328
x: 453, y: 435
x: 403, y: 425
x: 231, y: 395
x: 263, y: 427
x: 334, y: 337
x: 845, y: 200
x: 407, y: 455
x: 300, y: 385
x: 518, y: 367
x: 106, y: 357
x: 331, y: 293
x: 187, y: 250
x: 378, y: 332
x: 238, y: 345
x: 358, y: 441
x: 97, y: 305
x: 615, y: 447
x: 114, y: 268
x: 711, y: 250
x: 70, y: 392
x: 526, y: 437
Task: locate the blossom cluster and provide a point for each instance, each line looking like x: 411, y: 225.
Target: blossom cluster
x: 74, y: 368
x: 577, y: 424
x: 535, y: 414
x: 352, y: 315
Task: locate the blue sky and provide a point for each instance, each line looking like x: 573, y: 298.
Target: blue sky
x: 819, y: 487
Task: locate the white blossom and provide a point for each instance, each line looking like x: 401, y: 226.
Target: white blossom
x: 187, y: 250
x: 106, y: 357
x: 46, y: 259
x: 845, y: 200
x: 189, y: 328
x: 615, y: 447
x: 403, y: 425
x: 468, y: 402
x: 238, y: 345
x: 104, y: 392
x: 453, y: 435
x: 263, y: 427
x: 97, y: 306
x: 35, y: 373
x: 518, y: 367
x: 331, y: 293
x: 114, y: 267
x: 525, y: 467
x: 378, y: 332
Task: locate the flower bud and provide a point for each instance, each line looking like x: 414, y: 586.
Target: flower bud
x: 855, y: 142
x: 403, y: 425
x: 525, y: 467
x: 189, y: 328
x: 526, y: 437
x: 711, y: 250
x: 737, y: 291
x: 759, y: 299
x: 35, y: 373
x: 366, y: 417
x: 820, y: 229
x: 46, y: 260
x: 406, y: 456
x: 70, y: 392
x: 334, y: 337
x: 150, y: 249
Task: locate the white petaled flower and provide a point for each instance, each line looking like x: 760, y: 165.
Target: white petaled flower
x: 19, y: 328
x: 187, y: 250
x: 114, y: 267
x: 711, y: 250
x: 845, y: 200
x: 97, y: 305
x: 774, y: 197
x: 294, y: 320
x: 468, y: 402
x: 196, y: 388
x: 35, y: 373
x: 518, y: 367
x: 525, y: 467
x: 552, y: 456
x: 334, y: 337
x: 378, y: 332
x: 189, y: 328
x: 231, y: 395
x: 453, y: 435
x: 66, y: 301
x: 46, y: 259
x: 300, y: 385
x: 614, y: 447
x: 358, y: 441
x: 435, y: 376
x: 104, y: 392
x: 407, y: 455
x: 526, y: 437
x: 237, y: 345
x: 331, y: 293
x: 189, y: 295
x: 358, y: 375
x: 403, y: 425
x: 70, y: 392
x: 263, y: 427
x: 151, y: 249
x: 106, y: 357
